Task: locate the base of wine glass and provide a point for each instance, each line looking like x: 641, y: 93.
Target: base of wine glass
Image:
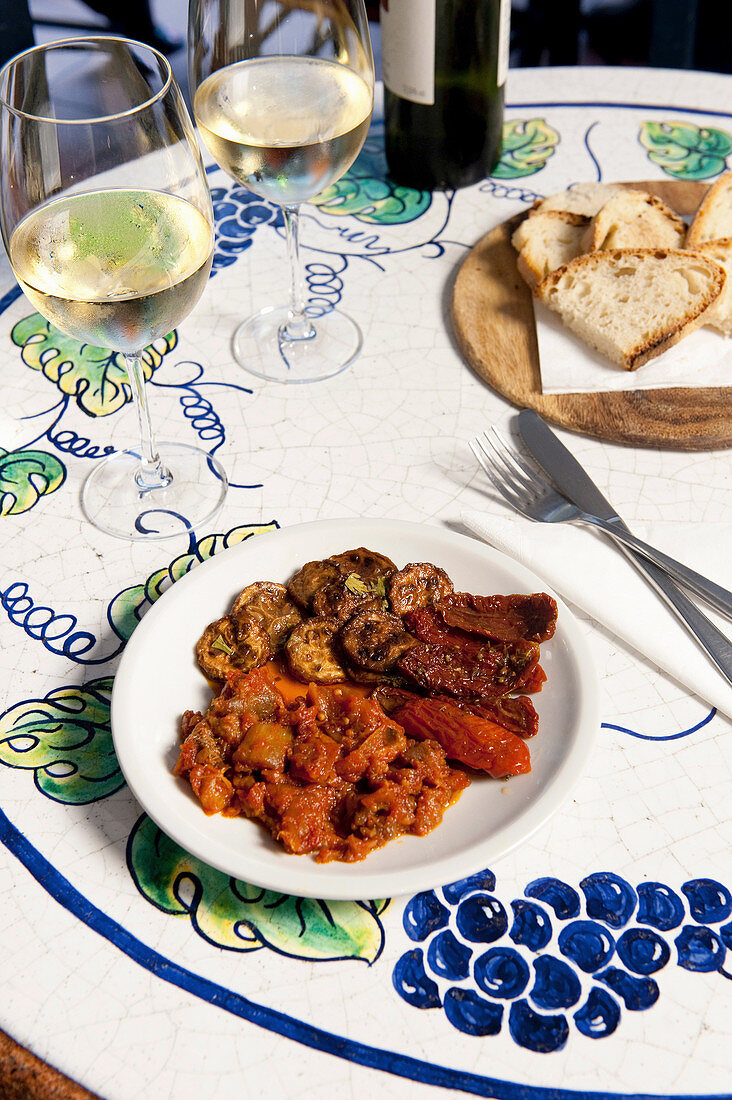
x: 114, y: 501
x: 259, y: 347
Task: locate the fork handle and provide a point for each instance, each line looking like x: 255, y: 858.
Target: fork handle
x: 717, y: 646
x: 717, y: 597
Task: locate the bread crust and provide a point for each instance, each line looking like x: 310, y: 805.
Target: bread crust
x: 713, y: 218
x: 662, y: 335
x: 635, y: 219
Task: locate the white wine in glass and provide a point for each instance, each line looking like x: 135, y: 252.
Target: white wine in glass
x: 283, y: 96
x: 107, y: 221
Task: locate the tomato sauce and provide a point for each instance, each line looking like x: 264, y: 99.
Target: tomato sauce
x: 324, y: 769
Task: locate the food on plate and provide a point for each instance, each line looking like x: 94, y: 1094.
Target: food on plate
x: 713, y: 218
x: 375, y: 640
x: 311, y: 654
x: 720, y: 314
x: 419, y: 584
x: 268, y: 606
x: 349, y: 704
x: 634, y: 219
x: 546, y: 240
x: 329, y: 774
x: 632, y: 304
x: 223, y: 648
x: 479, y: 742
x: 627, y: 320
x: 583, y: 198
x: 503, y: 618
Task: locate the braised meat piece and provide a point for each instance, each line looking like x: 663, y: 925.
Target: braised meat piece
x: 374, y: 640
x: 417, y: 585
x: 502, y: 618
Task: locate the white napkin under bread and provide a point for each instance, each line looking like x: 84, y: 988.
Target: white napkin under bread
x: 587, y: 570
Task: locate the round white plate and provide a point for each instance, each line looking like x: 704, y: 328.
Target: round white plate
x: 158, y: 679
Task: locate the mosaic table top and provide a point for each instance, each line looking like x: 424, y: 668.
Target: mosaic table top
x: 591, y: 961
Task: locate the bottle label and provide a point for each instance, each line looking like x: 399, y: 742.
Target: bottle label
x: 408, y: 48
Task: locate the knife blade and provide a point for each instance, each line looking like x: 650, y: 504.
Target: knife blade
x: 577, y: 485
x: 563, y: 468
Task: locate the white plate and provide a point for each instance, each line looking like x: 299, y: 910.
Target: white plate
x: 158, y: 679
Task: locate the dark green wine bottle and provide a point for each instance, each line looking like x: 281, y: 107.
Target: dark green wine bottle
x: 445, y: 65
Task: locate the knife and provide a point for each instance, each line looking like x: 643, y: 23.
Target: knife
x: 569, y: 476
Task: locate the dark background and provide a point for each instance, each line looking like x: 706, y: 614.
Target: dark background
x: 685, y: 34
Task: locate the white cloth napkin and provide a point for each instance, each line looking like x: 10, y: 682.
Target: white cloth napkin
x: 587, y: 570
x: 568, y: 365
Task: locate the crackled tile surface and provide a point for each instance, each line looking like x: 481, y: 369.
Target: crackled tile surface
x: 591, y: 960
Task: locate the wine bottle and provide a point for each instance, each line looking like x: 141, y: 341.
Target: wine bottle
x: 445, y: 64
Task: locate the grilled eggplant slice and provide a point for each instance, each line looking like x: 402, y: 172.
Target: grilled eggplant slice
x: 311, y: 652
x: 419, y: 584
x: 269, y: 605
x: 223, y: 648
x: 310, y: 579
x: 375, y: 640
x: 366, y: 563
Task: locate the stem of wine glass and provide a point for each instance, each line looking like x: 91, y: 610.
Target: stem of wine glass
x: 298, y: 325
x: 151, y: 473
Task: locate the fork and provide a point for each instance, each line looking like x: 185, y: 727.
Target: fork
x: 530, y: 493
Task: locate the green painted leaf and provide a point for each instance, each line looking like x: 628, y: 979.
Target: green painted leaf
x: 240, y: 917
x: 367, y: 193
x: 129, y: 605
x: 686, y: 151
x: 26, y: 476
x: 65, y: 738
x: 95, y: 377
x: 526, y: 147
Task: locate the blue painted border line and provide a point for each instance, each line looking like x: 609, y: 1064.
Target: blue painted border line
x: 605, y: 104
x: 62, y: 891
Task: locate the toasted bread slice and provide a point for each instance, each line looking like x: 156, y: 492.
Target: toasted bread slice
x: 713, y: 219
x: 633, y: 303
x: 720, y: 315
x: 546, y: 241
x: 634, y: 219
x: 585, y: 199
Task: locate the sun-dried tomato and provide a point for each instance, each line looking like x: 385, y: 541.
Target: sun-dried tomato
x: 475, y: 741
x: 473, y: 671
x: 502, y: 618
x: 514, y: 712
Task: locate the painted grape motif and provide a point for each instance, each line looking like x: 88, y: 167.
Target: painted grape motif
x: 558, y: 957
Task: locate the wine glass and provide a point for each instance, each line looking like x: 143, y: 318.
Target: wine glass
x: 107, y: 221
x: 283, y: 95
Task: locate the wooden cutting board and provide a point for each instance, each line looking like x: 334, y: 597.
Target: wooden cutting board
x: 493, y: 321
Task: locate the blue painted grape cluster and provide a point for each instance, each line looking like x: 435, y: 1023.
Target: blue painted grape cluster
x: 237, y: 215
x: 555, y: 960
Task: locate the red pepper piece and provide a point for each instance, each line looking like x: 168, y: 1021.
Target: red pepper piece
x: 475, y: 741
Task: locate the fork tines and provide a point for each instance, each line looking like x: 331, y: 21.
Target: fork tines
x: 504, y: 467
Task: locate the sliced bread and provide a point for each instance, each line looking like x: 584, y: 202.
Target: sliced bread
x: 634, y: 219
x: 547, y: 240
x: 720, y: 315
x: 632, y: 304
x: 584, y: 198
x: 713, y: 219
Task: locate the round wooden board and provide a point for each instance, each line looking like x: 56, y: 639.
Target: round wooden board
x: 493, y: 321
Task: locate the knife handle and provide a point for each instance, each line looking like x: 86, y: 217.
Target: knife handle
x: 717, y: 597
x: 717, y: 646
